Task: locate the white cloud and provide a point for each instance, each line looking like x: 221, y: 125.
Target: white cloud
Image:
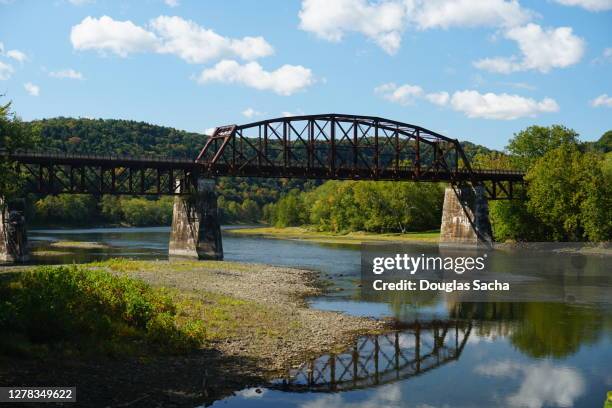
x: 6, y: 70
x: 403, y: 94
x: 66, y: 74
x: 209, y: 131
x: 108, y: 35
x: 288, y: 114
x: 172, y: 3
x: 384, y: 21
x: 17, y: 55
x: 31, y: 89
x: 388, y: 396
x: 607, y: 53
x: 591, y: 5
x: 467, y: 13
x: 500, y: 106
x: 470, y: 102
x: 166, y: 35
x: 196, y: 44
x: 1, y: 48
x: 285, y: 80
x: 541, y: 49
x: 542, y: 384
x: 250, y: 113
x: 438, y: 98
x: 252, y: 393
x: 602, y: 100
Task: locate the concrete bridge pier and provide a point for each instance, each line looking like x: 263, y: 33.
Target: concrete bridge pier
x: 465, y: 216
x: 13, y: 235
x: 196, y: 232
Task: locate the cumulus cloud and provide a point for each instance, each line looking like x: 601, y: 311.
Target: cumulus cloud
x: 472, y: 103
x: 602, y: 100
x: 6, y: 70
x: 31, y: 89
x: 251, y: 113
x: 17, y: 55
x: 389, y: 396
x: 172, y: 3
x: 288, y: 114
x: 500, y: 106
x: 591, y: 5
x: 66, y: 74
x: 541, y: 49
x: 196, y: 44
x: 438, y: 98
x: 285, y: 80
x: 107, y: 35
x: 467, y: 13
x: 542, y: 384
x: 402, y: 94
x: 384, y: 21
x: 165, y: 35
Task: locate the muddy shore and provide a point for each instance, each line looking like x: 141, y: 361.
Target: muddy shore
x: 271, y: 331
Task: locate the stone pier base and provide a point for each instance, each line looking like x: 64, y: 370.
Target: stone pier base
x: 13, y: 235
x: 465, y: 217
x: 196, y: 232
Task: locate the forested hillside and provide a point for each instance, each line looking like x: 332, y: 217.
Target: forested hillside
x: 347, y: 205
x: 241, y: 200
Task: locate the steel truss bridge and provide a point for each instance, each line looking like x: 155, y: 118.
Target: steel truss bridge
x: 381, y: 359
x: 327, y: 146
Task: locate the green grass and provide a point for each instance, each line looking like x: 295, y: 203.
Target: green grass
x: 355, y: 238
x: 70, y: 309
x: 126, y: 265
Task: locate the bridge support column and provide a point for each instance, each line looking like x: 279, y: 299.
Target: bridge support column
x: 465, y: 216
x: 13, y: 236
x: 196, y: 232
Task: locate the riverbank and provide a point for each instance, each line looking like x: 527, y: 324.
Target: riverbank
x: 257, y: 325
x: 351, y: 238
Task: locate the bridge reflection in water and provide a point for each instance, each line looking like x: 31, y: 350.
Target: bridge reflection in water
x: 381, y: 359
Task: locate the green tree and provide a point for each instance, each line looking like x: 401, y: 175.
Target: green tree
x: 13, y: 135
x: 530, y: 144
x: 568, y: 193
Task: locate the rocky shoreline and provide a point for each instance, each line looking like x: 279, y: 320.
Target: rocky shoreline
x: 279, y: 332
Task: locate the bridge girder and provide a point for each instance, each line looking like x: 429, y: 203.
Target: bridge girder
x: 340, y: 146
x: 325, y: 146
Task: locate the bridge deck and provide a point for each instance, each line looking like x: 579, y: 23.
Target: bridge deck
x: 54, y: 173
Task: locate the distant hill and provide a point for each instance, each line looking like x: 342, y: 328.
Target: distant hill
x: 604, y: 144
x: 115, y: 136
x: 127, y: 137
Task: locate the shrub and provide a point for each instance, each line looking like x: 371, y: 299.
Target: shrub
x: 78, y: 305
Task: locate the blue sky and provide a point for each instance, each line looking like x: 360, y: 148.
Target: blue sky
x: 476, y: 70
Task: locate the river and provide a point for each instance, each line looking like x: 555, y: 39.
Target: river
x: 446, y: 355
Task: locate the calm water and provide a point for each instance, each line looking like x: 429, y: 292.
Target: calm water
x: 447, y: 354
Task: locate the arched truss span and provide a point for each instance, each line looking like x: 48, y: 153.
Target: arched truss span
x: 339, y: 146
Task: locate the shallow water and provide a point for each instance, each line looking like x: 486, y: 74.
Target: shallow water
x: 446, y: 353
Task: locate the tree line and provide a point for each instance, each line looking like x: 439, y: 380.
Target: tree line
x: 569, y: 187
x: 567, y: 198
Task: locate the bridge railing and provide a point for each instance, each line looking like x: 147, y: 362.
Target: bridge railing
x: 87, y: 156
